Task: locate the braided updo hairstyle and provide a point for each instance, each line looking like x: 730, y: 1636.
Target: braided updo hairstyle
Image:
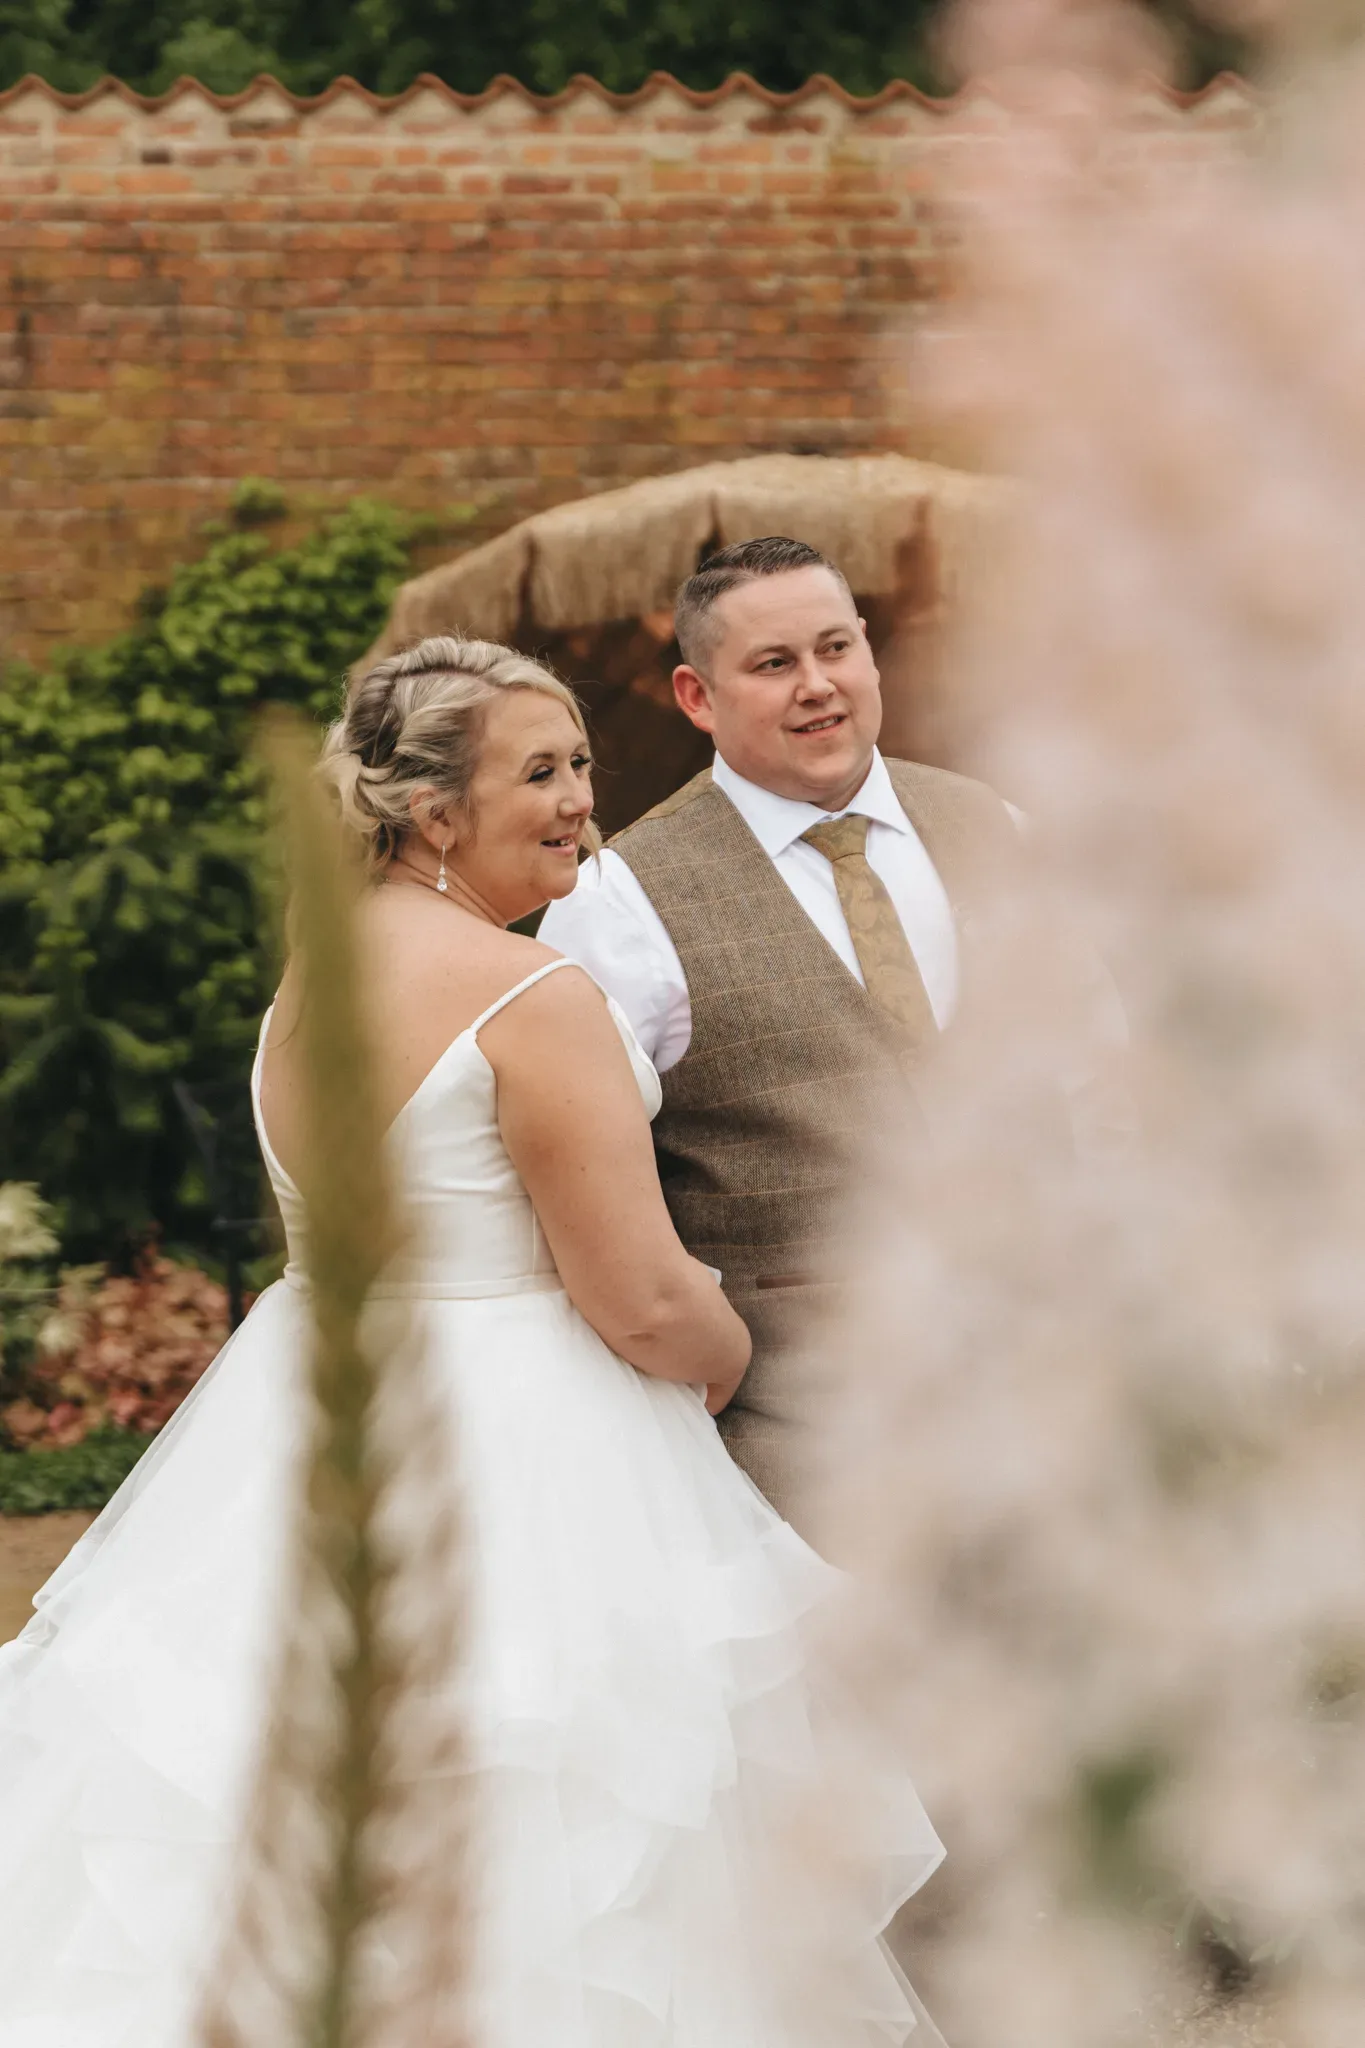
x: 415, y: 722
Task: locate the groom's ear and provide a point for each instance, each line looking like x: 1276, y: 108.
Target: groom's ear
x: 693, y: 693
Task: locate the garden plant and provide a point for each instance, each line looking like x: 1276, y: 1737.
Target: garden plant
x: 134, y: 912
x: 137, y: 920
x: 386, y: 44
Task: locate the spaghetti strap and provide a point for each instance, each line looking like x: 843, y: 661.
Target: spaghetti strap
x: 501, y: 1004
x: 272, y: 1164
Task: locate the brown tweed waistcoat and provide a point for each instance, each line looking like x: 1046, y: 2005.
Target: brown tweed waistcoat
x: 764, y: 1115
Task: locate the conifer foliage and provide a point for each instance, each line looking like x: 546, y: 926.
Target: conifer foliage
x: 135, y: 937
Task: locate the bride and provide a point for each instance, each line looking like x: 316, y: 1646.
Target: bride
x: 635, y: 1669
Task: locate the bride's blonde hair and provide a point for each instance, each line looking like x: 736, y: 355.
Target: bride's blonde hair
x: 415, y: 722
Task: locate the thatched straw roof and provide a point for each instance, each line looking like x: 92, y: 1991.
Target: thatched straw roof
x: 622, y: 554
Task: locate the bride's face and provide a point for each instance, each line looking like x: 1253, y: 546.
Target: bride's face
x: 530, y: 800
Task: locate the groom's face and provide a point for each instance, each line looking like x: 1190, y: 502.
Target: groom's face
x: 790, y: 691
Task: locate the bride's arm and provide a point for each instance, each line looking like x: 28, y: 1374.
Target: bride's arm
x: 572, y: 1120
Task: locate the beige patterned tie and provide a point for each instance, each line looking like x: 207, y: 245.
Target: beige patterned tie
x: 893, y: 980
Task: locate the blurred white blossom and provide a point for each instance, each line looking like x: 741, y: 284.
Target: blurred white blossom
x: 1097, y: 1460
x: 26, y: 1230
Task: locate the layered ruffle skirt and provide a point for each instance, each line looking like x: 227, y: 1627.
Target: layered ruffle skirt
x: 639, y: 1708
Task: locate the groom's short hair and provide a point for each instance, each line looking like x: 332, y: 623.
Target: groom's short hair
x: 744, y: 562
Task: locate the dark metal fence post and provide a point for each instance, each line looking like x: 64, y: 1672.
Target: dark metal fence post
x: 214, y: 1131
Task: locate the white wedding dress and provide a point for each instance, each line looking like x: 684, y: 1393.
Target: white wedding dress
x: 636, y: 1670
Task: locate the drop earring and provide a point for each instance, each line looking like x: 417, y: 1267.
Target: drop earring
x: 441, y: 882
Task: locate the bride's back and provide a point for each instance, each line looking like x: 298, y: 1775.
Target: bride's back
x: 428, y: 970
x: 470, y: 1227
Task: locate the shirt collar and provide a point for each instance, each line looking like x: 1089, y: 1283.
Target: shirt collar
x: 777, y: 822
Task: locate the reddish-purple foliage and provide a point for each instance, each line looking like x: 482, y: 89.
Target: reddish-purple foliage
x: 125, y: 1351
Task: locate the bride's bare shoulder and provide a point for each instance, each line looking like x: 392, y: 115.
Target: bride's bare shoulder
x: 421, y: 951
x: 561, y: 1015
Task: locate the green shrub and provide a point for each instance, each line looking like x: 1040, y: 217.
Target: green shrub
x: 134, y: 939
x: 388, y: 43
x: 84, y: 1475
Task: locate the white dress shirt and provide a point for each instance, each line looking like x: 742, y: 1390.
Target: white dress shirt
x: 610, y: 926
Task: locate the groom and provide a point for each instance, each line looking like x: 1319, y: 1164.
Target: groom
x: 785, y: 934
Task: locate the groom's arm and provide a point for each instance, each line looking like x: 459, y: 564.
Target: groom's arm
x: 609, y: 926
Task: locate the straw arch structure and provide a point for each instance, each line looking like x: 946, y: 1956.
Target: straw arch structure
x: 590, y: 586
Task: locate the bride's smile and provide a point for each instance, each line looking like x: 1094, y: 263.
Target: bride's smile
x: 516, y: 842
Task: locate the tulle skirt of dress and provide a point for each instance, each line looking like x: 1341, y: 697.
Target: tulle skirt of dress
x: 640, y: 1715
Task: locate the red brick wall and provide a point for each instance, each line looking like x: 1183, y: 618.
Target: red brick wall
x: 495, y: 302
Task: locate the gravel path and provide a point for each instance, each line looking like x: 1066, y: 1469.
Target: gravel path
x: 31, y: 1548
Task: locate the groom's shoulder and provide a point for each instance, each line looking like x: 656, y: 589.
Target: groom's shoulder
x: 681, y: 800
x: 920, y: 787
x: 947, y: 781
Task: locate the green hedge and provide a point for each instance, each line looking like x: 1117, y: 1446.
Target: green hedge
x: 134, y: 943
x: 84, y: 1476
